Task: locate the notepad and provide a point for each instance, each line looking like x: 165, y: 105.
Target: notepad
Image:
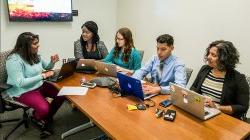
x: 71, y: 90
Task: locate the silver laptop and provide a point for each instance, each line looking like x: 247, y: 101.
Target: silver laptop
x: 105, y: 68
x: 86, y: 62
x: 191, y: 102
x: 86, y: 66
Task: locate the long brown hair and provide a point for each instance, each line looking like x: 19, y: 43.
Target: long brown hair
x: 23, y: 48
x: 129, y: 44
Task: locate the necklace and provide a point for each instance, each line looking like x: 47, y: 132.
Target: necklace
x: 218, y: 74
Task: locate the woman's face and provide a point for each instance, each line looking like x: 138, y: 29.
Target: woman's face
x: 87, y: 35
x: 35, y: 46
x: 212, y: 58
x: 120, y: 40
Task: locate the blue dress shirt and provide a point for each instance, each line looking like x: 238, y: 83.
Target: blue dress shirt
x: 173, y: 71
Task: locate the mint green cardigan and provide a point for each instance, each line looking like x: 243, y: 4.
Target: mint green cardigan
x: 24, y: 77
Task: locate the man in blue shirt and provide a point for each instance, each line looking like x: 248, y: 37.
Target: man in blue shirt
x: 164, y: 68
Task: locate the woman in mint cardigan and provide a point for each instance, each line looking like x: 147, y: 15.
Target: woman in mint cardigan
x: 124, y: 54
x: 25, y: 73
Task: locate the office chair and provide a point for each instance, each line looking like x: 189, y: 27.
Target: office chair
x: 189, y: 72
x: 244, y: 117
x: 6, y: 102
x: 141, y: 53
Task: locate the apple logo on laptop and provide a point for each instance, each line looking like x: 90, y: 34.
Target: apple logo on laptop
x: 129, y: 86
x: 106, y: 69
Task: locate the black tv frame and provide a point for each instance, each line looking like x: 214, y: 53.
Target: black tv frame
x: 70, y: 19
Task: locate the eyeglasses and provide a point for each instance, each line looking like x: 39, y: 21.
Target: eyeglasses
x: 119, y: 38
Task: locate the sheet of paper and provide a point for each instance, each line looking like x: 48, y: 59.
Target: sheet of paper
x: 68, y: 90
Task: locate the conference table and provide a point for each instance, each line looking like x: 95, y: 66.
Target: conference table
x: 110, y: 113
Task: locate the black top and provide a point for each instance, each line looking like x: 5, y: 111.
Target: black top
x: 92, y: 54
x: 235, y: 91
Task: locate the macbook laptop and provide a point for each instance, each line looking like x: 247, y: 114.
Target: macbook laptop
x: 86, y: 66
x: 66, y: 70
x: 132, y: 86
x: 191, y: 102
x: 105, y: 68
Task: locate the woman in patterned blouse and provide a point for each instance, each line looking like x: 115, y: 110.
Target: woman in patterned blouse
x: 89, y: 45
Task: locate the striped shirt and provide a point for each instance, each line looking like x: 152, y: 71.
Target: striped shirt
x: 212, y: 87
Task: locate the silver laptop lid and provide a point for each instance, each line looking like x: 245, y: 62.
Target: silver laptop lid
x: 107, y: 69
x: 85, y: 62
x: 187, y: 100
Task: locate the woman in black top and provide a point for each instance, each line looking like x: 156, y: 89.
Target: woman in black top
x: 224, y: 87
x: 89, y: 45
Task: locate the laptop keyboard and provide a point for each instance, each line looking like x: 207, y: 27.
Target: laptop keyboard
x: 56, y: 73
x: 206, y: 113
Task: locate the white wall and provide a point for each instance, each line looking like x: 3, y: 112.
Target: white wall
x: 58, y: 37
x: 193, y: 23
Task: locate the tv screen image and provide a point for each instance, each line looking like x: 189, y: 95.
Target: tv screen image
x: 40, y: 10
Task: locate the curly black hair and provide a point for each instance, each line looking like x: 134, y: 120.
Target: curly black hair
x: 228, y: 55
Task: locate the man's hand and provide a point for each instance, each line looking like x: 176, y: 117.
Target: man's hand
x: 147, y: 89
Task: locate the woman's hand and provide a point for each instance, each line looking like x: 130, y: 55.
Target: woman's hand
x: 209, y: 102
x: 54, y: 58
x: 47, y: 74
x: 120, y: 69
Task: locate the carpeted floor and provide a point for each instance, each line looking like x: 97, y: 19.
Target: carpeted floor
x: 65, y: 119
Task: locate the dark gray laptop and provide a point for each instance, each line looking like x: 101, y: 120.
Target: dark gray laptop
x: 66, y: 70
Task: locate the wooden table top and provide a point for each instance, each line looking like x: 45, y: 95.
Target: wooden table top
x: 111, y: 115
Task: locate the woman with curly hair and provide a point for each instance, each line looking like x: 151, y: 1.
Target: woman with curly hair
x: 224, y: 87
x: 124, y: 54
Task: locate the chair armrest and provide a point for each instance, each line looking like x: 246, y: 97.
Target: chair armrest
x: 4, y: 86
x: 13, y: 103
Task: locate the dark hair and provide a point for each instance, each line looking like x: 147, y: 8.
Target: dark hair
x: 228, y: 56
x: 23, y: 48
x: 92, y: 27
x: 129, y: 44
x: 165, y: 38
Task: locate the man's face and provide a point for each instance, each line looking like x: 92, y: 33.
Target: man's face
x: 164, y: 51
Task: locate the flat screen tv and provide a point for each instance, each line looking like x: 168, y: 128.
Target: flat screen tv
x: 40, y: 10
